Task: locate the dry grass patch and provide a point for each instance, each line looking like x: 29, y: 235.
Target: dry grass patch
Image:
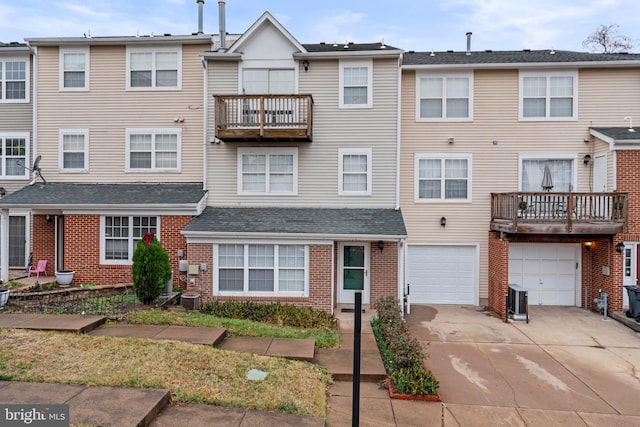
x: 192, y: 373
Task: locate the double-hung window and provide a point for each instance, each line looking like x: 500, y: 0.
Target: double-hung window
x: 548, y: 95
x: 268, y: 171
x: 74, y: 150
x: 262, y: 269
x: 121, y: 234
x: 159, y: 68
x: 14, y: 155
x: 354, y: 168
x: 356, y: 84
x: 74, y: 69
x: 153, y: 150
x: 444, y: 97
x: 14, y: 80
x: 442, y: 177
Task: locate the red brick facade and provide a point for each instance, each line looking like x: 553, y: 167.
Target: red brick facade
x: 82, y: 247
x: 323, y: 262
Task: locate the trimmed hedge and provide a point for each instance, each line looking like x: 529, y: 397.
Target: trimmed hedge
x: 402, y: 354
x: 276, y: 314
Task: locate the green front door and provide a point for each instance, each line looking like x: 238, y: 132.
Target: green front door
x: 354, y: 265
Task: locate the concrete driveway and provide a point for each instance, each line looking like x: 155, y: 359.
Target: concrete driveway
x: 567, y: 367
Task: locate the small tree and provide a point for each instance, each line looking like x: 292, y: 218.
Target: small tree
x: 605, y: 39
x: 151, y: 269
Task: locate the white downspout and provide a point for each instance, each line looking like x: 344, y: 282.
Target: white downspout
x: 398, y: 125
x: 205, y: 123
x: 4, y: 244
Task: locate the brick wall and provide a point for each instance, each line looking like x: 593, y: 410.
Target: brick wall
x: 628, y: 177
x: 43, y: 242
x: 82, y: 248
x: 322, y: 258
x: 498, y: 273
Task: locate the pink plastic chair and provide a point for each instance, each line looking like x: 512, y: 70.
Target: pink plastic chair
x: 41, y: 267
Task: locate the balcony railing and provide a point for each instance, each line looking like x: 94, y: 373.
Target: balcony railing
x: 264, y: 117
x: 559, y: 213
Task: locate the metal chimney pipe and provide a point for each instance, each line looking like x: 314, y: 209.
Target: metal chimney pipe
x: 469, y: 43
x: 200, y: 13
x: 223, y: 27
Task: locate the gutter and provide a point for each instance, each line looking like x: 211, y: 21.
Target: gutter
x: 398, y: 129
x: 205, y: 123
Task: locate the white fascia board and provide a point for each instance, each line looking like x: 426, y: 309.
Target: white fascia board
x: 525, y: 65
x: 208, y: 236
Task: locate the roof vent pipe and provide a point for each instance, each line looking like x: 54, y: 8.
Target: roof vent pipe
x: 469, y: 43
x: 223, y: 29
x: 200, y: 6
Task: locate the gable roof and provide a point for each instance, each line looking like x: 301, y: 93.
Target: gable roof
x: 307, y: 222
x: 521, y: 58
x: 184, y: 197
x: 266, y: 17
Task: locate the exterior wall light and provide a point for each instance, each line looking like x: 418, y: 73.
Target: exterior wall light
x: 443, y: 222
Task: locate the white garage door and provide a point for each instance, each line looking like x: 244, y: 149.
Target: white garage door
x: 442, y: 274
x: 547, y: 271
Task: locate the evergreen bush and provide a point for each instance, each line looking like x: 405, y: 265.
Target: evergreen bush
x: 151, y: 269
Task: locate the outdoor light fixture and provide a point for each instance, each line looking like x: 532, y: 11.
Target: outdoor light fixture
x: 620, y: 247
x: 3, y: 192
x: 305, y: 64
x: 380, y: 245
x: 443, y: 221
x: 588, y: 244
x: 586, y: 159
x: 451, y: 140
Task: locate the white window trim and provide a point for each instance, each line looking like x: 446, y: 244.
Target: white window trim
x: 444, y: 75
x: 27, y: 85
x: 246, y: 292
x: 153, y: 50
x: 87, y: 67
x: 153, y: 131
x: 268, y: 151
x: 442, y: 156
x: 24, y: 135
x: 551, y: 156
x: 61, y: 134
x: 358, y: 151
x: 547, y: 75
x: 356, y: 63
x: 103, y: 258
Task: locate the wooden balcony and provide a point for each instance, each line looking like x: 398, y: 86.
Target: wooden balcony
x: 560, y: 213
x: 287, y: 118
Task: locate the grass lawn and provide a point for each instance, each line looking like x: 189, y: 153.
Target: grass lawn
x: 192, y: 373
x: 324, y: 337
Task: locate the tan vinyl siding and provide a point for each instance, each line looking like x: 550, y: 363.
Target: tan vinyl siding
x: 605, y: 96
x: 108, y: 109
x: 333, y: 128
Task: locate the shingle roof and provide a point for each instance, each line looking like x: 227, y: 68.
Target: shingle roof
x: 619, y: 134
x: 340, y: 47
x: 513, y: 57
x: 306, y: 221
x: 84, y: 195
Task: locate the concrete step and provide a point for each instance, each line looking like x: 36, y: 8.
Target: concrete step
x: 77, y: 323
x: 95, y: 406
x: 288, y: 348
x: 627, y: 321
x: 339, y: 363
x: 191, y: 334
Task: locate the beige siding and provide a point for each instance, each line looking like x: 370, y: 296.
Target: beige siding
x: 108, y: 109
x: 605, y: 96
x: 333, y: 128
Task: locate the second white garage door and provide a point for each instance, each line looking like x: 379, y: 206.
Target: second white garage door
x: 547, y: 270
x: 442, y: 274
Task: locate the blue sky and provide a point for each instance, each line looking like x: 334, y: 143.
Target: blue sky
x: 408, y: 24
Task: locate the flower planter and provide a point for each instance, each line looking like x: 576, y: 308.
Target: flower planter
x: 394, y: 395
x: 64, y: 277
x: 4, y: 296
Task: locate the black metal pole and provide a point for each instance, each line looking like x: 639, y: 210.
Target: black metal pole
x: 357, y: 332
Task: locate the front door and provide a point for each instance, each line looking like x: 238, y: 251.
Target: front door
x: 631, y: 261
x: 354, y: 272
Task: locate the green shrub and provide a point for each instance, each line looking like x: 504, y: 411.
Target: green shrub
x: 402, y: 354
x: 151, y: 269
x: 276, y: 314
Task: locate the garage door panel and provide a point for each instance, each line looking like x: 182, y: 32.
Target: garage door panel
x: 442, y: 274
x: 548, y: 271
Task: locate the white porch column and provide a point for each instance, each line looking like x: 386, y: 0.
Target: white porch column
x: 4, y: 245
